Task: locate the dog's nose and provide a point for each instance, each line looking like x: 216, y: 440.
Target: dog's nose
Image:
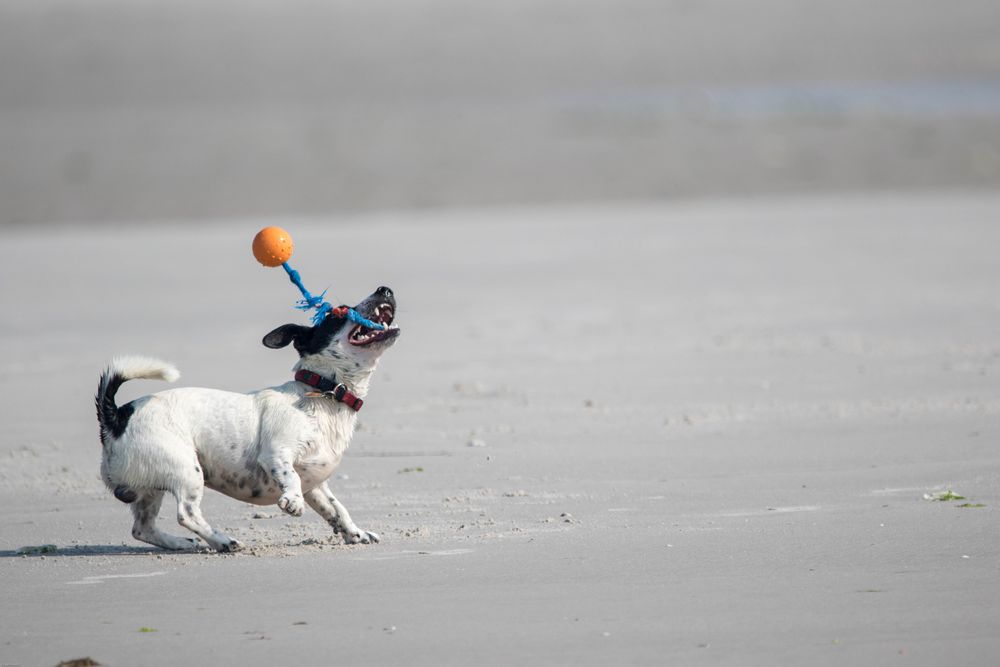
x: 384, y: 291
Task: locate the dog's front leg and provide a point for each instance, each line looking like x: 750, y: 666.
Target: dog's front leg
x: 327, y: 506
x: 279, y: 465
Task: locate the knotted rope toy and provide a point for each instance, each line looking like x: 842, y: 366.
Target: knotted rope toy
x: 273, y: 247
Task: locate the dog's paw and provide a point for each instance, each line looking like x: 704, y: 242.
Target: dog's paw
x: 357, y: 536
x: 230, y: 546
x: 292, y: 504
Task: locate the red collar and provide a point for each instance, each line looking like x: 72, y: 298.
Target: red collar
x: 330, y: 388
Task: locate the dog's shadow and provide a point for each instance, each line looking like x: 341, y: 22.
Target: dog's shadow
x: 53, y: 551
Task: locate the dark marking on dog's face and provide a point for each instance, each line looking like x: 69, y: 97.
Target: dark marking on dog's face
x: 299, y: 336
x: 341, y: 339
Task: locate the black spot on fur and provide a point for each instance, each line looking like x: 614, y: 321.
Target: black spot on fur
x: 255, y: 492
x: 110, y: 417
x: 306, y: 340
x: 288, y: 333
x: 243, y: 483
x: 125, y: 494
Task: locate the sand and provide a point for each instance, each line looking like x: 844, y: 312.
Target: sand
x: 651, y: 434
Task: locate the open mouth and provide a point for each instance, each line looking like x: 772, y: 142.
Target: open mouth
x: 362, y: 335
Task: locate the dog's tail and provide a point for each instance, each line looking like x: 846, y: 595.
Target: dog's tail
x: 121, y: 369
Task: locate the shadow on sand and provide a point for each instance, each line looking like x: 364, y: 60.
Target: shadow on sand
x: 53, y: 551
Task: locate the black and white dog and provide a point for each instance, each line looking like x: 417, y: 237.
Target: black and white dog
x: 277, y: 445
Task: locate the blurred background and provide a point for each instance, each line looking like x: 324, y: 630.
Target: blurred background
x: 126, y: 111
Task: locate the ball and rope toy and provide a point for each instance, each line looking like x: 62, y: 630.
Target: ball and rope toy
x: 273, y: 247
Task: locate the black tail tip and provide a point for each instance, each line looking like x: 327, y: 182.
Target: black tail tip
x: 125, y: 494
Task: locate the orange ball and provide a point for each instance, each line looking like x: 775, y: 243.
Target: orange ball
x: 272, y: 246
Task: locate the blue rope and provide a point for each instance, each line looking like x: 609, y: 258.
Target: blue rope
x: 355, y: 317
x: 309, y: 302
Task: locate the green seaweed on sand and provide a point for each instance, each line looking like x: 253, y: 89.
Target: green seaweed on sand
x: 145, y: 629
x: 417, y: 469
x: 944, y: 496
x: 971, y: 505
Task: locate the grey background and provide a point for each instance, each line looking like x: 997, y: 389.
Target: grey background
x: 146, y: 110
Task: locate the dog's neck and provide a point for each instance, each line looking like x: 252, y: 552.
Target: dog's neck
x: 357, y: 380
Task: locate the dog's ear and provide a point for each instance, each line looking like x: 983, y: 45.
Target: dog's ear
x: 288, y: 333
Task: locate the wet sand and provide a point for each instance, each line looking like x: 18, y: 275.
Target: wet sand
x: 670, y: 433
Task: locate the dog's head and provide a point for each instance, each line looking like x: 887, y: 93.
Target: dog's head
x: 339, y: 345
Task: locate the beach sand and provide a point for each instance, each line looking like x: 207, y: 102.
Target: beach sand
x: 688, y: 433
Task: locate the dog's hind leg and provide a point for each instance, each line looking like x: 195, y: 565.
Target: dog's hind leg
x: 144, y: 509
x: 189, y: 516
x: 327, y: 506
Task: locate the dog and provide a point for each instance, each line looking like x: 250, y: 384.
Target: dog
x: 278, y: 445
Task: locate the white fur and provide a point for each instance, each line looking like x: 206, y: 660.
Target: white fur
x: 276, y: 445
x: 145, y: 368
